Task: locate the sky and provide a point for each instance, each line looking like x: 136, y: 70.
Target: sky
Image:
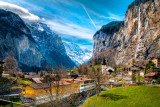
x: 74, y: 20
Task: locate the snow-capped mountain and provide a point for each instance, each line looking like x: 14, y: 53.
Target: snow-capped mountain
x: 50, y: 45
x: 77, y: 54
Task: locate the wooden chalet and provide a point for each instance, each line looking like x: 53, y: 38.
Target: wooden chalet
x: 134, y: 68
x: 150, y: 76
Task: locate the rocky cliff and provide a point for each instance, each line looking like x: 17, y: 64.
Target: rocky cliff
x: 50, y: 45
x: 138, y: 38
x: 16, y: 39
x: 33, y: 44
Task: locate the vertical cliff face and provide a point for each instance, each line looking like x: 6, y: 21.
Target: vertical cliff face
x: 103, y: 37
x: 16, y: 39
x: 139, y: 37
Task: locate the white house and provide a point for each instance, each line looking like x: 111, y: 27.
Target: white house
x: 107, y: 70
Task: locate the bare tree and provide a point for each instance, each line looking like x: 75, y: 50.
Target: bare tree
x: 10, y: 64
x: 53, y: 79
x: 97, y: 75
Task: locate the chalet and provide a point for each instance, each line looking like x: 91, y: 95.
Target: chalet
x: 1, y: 68
x: 137, y: 69
x: 156, y: 61
x: 39, y: 93
x: 150, y: 76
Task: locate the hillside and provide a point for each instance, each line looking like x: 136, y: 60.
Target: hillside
x: 138, y: 38
x: 16, y: 39
x: 50, y: 44
x: 33, y: 44
x: 133, y: 96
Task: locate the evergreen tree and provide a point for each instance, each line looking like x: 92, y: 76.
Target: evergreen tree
x: 149, y: 66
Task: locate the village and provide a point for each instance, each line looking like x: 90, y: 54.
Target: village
x: 37, y: 88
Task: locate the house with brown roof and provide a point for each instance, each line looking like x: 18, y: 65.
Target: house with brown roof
x: 150, y: 76
x: 139, y: 70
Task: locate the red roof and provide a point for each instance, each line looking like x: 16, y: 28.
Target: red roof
x: 151, y: 74
x: 82, y: 79
x: 65, y: 79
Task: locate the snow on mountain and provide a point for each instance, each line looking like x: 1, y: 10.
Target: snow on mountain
x: 77, y: 54
x: 50, y: 45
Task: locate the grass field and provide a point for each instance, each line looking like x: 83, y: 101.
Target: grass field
x: 24, y: 81
x: 133, y: 96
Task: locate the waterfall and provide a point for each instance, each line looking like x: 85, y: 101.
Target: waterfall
x: 139, y: 36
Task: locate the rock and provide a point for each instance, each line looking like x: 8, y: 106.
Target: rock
x: 16, y: 39
x: 50, y: 45
x: 138, y: 38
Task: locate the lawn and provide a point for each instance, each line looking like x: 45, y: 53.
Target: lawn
x: 133, y: 96
x: 24, y: 81
x: 20, y: 83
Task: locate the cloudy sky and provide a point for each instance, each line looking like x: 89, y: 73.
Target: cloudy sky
x: 74, y: 20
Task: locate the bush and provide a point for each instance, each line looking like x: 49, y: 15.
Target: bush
x: 158, y: 81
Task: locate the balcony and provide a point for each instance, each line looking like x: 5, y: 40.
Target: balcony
x: 88, y: 86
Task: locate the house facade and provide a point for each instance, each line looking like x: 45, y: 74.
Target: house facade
x: 139, y: 70
x: 156, y: 61
x: 107, y: 70
x: 39, y: 93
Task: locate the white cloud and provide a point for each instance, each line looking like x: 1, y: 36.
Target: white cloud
x: 22, y: 12
x: 113, y: 17
x: 70, y: 29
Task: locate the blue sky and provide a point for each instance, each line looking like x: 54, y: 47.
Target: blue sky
x: 76, y: 20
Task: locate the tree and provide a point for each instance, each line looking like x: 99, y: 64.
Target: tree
x: 134, y: 76
x: 53, y: 79
x: 10, y: 64
x: 149, y: 66
x: 97, y: 75
x: 95, y: 61
x: 85, y: 70
x: 79, y: 69
x: 41, y: 74
x: 103, y: 61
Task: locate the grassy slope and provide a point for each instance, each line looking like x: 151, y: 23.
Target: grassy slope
x: 135, y: 96
x: 20, y: 83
